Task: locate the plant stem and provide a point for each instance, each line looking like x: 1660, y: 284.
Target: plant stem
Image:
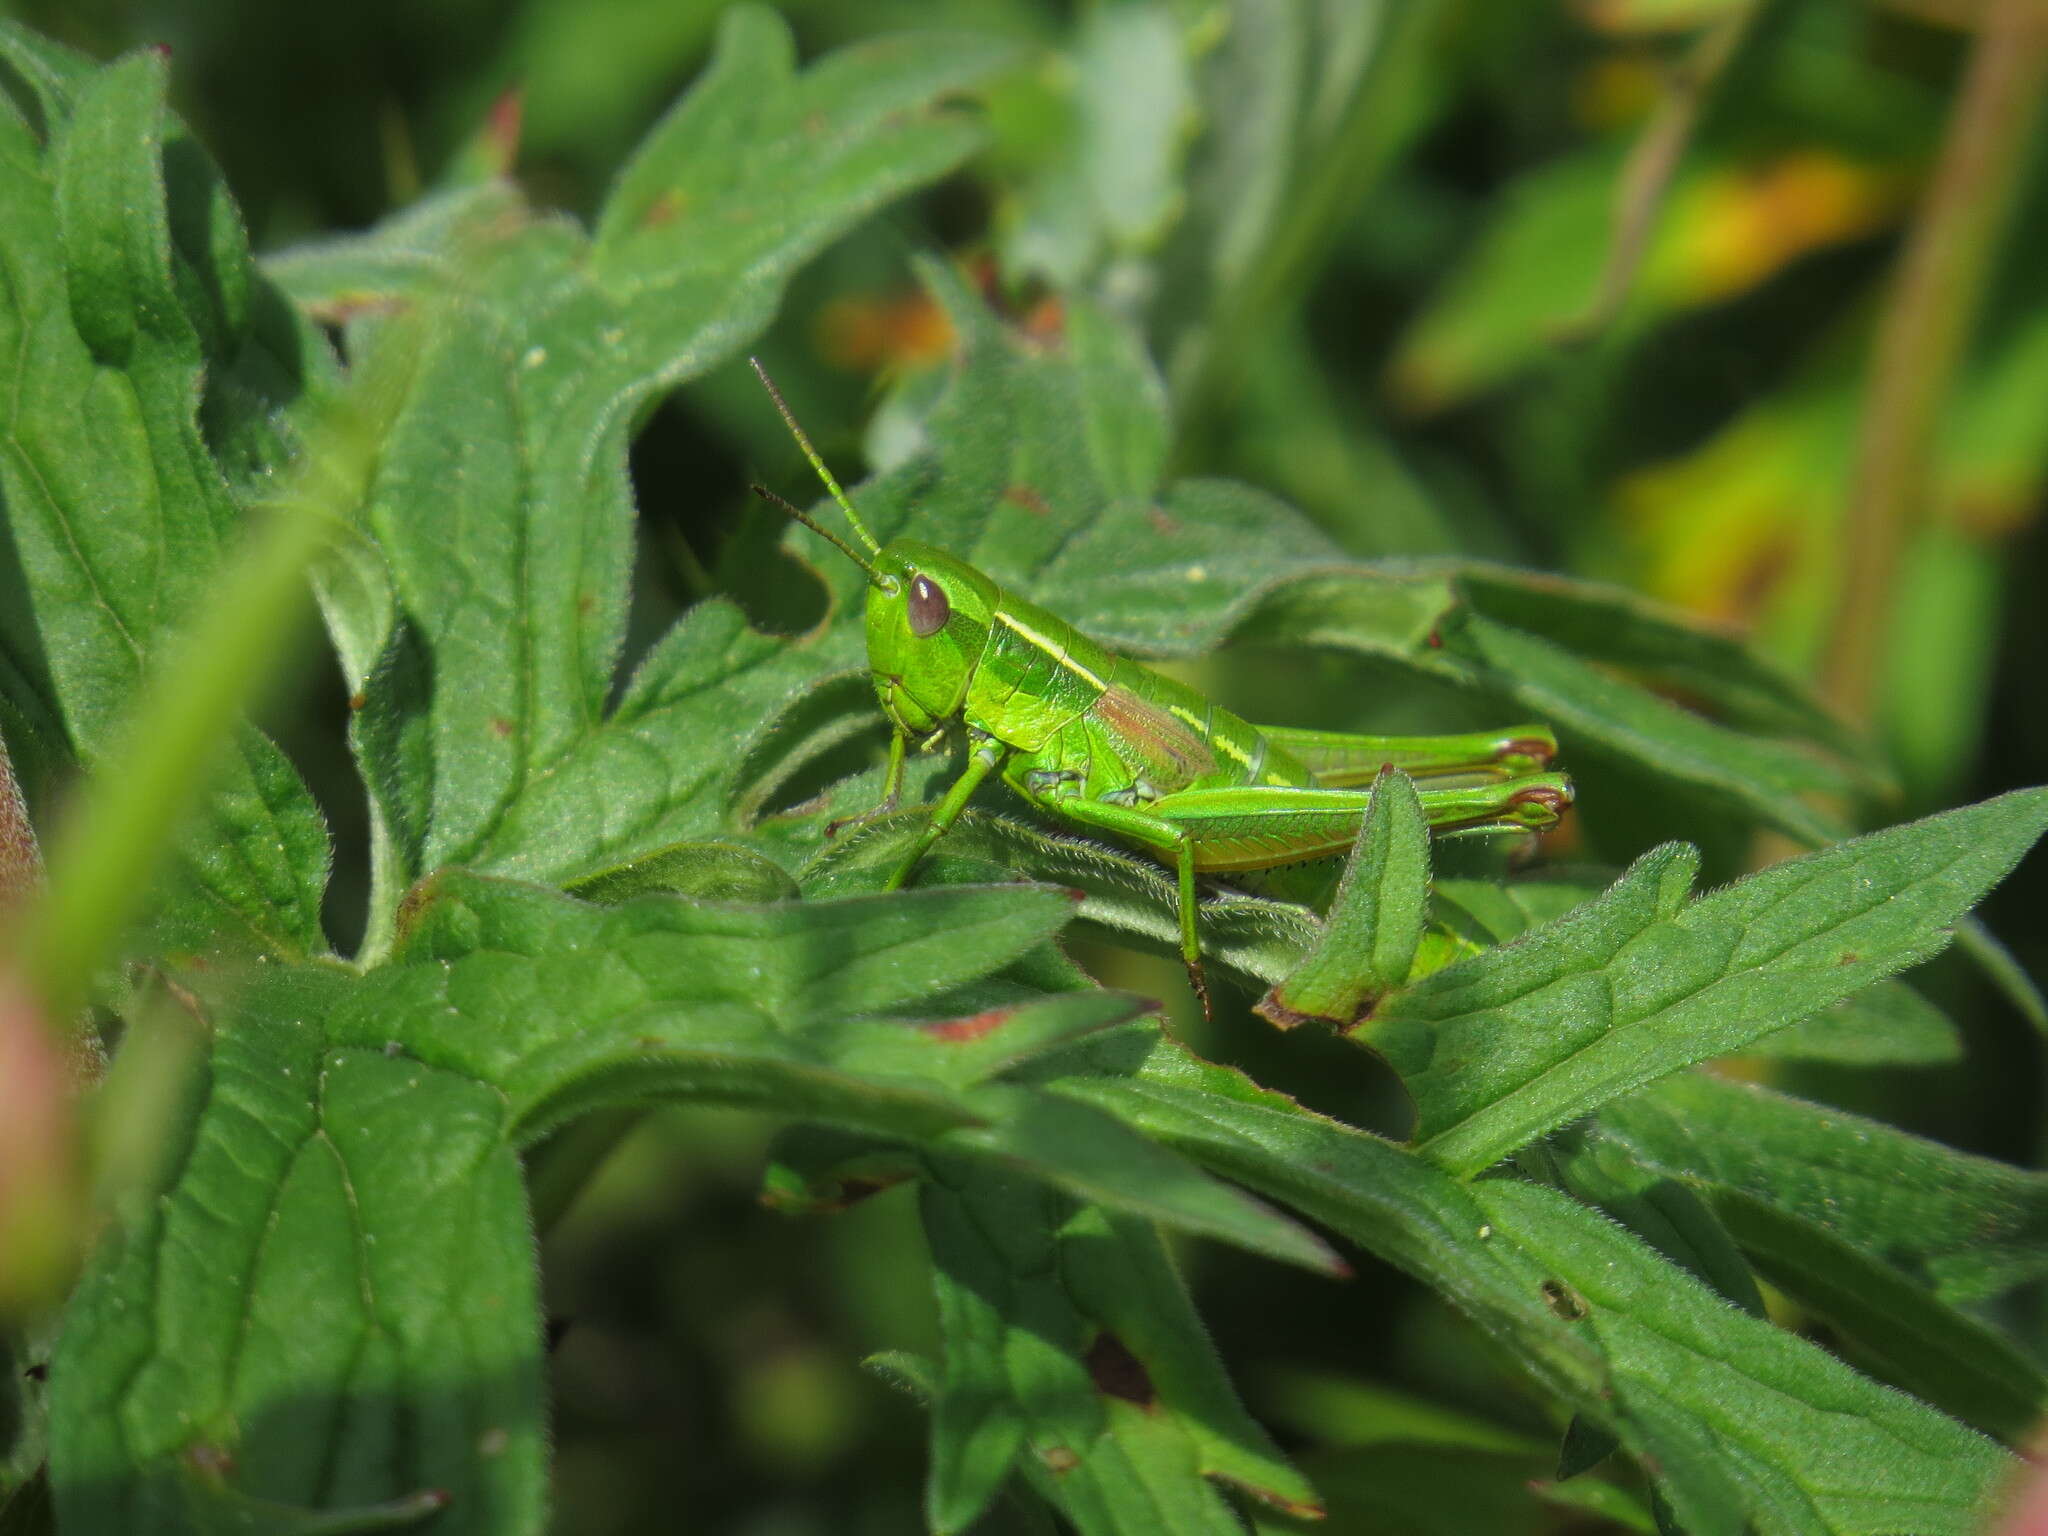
x: 1926, y: 323
x: 1654, y: 161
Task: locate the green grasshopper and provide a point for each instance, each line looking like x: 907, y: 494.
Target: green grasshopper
x: 1112, y: 748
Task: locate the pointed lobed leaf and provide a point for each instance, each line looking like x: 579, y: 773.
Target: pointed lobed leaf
x: 1747, y: 1427
x: 504, y: 510
x: 564, y: 1005
x: 1502, y: 1047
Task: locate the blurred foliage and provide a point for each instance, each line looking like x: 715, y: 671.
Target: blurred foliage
x: 1377, y: 251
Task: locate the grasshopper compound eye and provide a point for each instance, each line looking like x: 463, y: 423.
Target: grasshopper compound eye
x: 929, y: 609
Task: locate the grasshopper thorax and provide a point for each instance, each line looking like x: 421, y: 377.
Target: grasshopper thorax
x: 928, y: 621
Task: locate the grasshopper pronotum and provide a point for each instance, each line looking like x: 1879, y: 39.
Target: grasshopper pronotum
x: 1111, y: 747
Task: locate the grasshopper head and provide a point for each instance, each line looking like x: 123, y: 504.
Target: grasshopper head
x: 928, y: 613
x: 928, y: 618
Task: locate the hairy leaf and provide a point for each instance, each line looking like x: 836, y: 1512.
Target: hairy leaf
x: 1748, y: 1427
x: 1376, y: 918
x: 1504, y: 1046
x: 1966, y: 1227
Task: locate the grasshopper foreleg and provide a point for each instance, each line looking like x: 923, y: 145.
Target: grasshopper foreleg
x: 984, y: 753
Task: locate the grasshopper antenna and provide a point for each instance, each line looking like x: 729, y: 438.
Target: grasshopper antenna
x: 818, y: 464
x: 875, y: 577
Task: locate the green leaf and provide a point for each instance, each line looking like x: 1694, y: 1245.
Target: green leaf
x: 1894, y: 1328
x: 1885, y: 1024
x: 1965, y: 1227
x: 1614, y: 627
x: 284, y: 1306
x: 1499, y: 1048
x: 1339, y: 1410
x: 1440, y: 1490
x: 706, y: 871
x: 127, y: 329
x: 504, y: 510
x: 1073, y: 1352
x: 1666, y: 1214
x: 1747, y: 1426
x: 564, y: 1007
x: 1375, y: 920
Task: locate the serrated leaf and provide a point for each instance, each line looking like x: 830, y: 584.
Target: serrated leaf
x: 504, y: 509
x: 563, y: 1006
x: 1748, y: 1427
x: 1501, y: 1047
x: 1966, y: 1227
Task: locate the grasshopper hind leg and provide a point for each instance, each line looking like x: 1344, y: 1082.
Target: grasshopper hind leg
x: 1190, y: 933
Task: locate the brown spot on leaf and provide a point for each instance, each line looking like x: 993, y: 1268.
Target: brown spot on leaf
x: 1163, y: 522
x: 501, y: 129
x: 1848, y: 957
x: 1563, y: 1301
x: 1117, y: 1372
x: 1026, y: 497
x: 358, y: 700
x: 665, y: 209
x: 210, y: 1460
x: 1045, y: 322
x: 1058, y: 1458
x: 972, y: 1027
x: 501, y: 727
